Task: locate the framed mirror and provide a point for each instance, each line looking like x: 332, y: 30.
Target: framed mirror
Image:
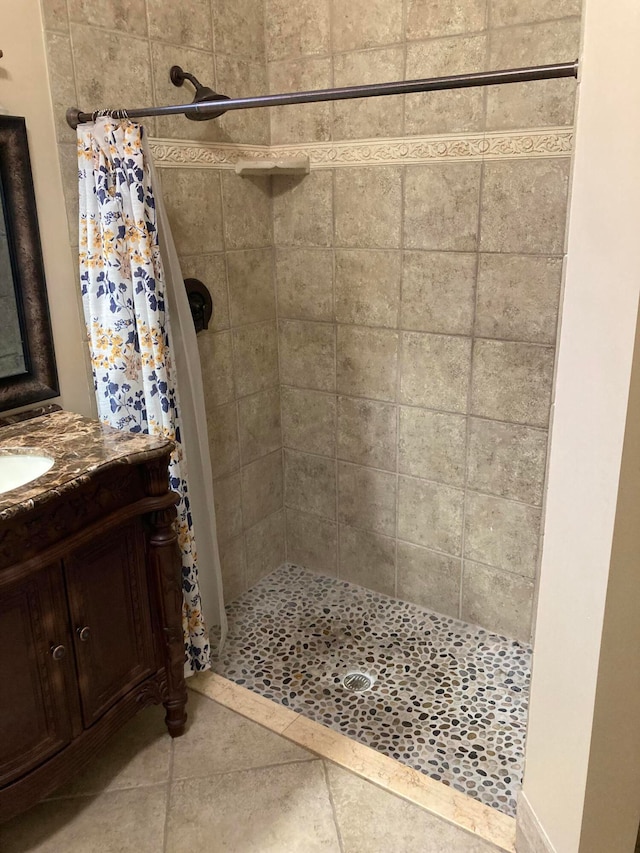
x: 27, y: 361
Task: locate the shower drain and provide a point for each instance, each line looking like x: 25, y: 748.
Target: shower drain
x: 358, y: 682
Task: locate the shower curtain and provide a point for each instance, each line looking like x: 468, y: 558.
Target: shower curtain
x: 131, y: 286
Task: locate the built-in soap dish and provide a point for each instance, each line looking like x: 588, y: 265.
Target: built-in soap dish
x: 287, y: 166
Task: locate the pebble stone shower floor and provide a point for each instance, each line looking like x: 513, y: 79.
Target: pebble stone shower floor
x: 449, y: 699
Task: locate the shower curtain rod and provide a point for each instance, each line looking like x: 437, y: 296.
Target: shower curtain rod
x: 222, y: 104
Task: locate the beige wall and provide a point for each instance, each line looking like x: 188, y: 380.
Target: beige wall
x: 24, y: 90
x: 581, y: 779
x: 417, y: 305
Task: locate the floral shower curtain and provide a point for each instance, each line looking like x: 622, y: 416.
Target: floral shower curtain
x: 125, y: 296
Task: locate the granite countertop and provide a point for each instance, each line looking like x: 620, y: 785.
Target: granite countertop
x: 79, y: 446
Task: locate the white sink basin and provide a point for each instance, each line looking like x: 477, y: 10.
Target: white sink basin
x: 20, y: 466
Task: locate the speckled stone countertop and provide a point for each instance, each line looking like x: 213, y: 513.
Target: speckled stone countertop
x: 79, y: 447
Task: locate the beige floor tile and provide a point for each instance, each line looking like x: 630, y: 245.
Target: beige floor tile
x: 272, y: 810
x: 218, y: 740
x: 114, y: 822
x: 136, y: 756
x: 373, y: 821
x: 441, y: 800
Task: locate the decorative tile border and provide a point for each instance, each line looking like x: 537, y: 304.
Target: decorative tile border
x: 504, y: 145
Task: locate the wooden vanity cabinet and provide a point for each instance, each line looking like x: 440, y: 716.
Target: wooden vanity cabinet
x: 90, y: 626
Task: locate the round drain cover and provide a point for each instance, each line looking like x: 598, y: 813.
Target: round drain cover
x: 358, y: 682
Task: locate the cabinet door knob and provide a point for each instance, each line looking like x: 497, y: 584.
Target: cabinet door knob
x: 84, y: 633
x: 58, y: 652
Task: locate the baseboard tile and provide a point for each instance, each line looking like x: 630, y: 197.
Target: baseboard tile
x: 530, y: 836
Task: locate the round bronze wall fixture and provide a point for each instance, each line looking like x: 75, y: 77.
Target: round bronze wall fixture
x: 200, y: 303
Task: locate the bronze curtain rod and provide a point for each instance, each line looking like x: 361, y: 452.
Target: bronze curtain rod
x: 221, y: 104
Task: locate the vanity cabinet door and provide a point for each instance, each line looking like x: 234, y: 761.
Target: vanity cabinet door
x: 38, y: 710
x: 110, y: 617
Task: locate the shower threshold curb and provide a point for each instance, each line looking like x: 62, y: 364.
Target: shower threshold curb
x: 435, y: 797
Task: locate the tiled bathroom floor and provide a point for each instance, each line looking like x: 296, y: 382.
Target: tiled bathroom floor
x: 448, y: 699
x: 227, y: 786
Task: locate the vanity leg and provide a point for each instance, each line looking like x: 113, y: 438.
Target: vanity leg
x: 165, y: 563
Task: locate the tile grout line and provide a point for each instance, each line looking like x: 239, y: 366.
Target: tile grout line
x: 463, y: 539
x: 169, y: 797
x: 236, y: 398
x: 325, y: 773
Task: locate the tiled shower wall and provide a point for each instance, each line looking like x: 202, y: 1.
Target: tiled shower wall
x: 119, y: 53
x: 415, y: 306
x: 418, y: 305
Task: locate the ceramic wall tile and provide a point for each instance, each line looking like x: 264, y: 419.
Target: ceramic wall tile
x: 239, y: 28
x: 445, y: 381
x: 265, y: 547
x: 438, y: 292
x: 306, y: 122
x: 540, y: 103
x: 367, y: 498
x: 312, y: 542
x: 233, y: 562
x: 262, y: 488
x: 237, y: 77
x: 503, y: 534
x: 259, y: 424
x: 512, y: 382
x: 430, y: 514
x: 304, y: 281
x: 255, y: 350
x: 193, y: 201
x: 524, y: 206
x: 366, y: 23
x: 222, y: 427
x: 441, y: 206
x: 61, y: 83
x: 310, y: 483
x: 227, y: 495
x: 309, y: 420
x: 367, y: 559
x: 216, y: 359
x: 504, y: 13
x: 432, y: 445
x: 518, y: 297
x: 367, y: 286
x: 497, y: 600
x: 307, y: 32
x: 307, y: 354
x: 247, y: 211
x: 181, y: 23
x: 460, y: 111
x: 55, y: 15
x: 367, y: 433
x: 129, y: 15
x: 251, y: 286
x: 303, y: 210
x: 367, y: 362
x: 429, y: 579
x: 433, y: 18
x: 376, y: 223
x: 507, y: 460
x: 366, y: 118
